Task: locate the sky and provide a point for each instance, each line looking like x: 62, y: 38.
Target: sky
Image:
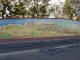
x: 56, y: 1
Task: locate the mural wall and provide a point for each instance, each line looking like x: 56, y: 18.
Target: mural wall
x: 32, y: 28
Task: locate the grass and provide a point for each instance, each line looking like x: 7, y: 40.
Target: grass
x: 68, y: 25
x: 31, y: 32
x: 5, y: 36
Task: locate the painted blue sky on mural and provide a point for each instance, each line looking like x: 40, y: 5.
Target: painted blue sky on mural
x: 22, y: 21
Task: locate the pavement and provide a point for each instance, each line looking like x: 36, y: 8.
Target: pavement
x: 69, y: 53
x: 20, y: 40
x: 12, y: 47
x: 65, y: 49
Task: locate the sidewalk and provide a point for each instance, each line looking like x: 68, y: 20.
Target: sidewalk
x: 7, y: 41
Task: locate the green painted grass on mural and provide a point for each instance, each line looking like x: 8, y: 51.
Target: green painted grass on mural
x: 5, y: 35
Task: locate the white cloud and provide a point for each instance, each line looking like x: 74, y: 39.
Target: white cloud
x: 63, y: 0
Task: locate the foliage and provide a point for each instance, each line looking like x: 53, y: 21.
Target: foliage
x: 35, y: 9
x: 70, y: 10
x: 19, y: 9
x: 12, y: 10
x: 5, y: 36
x: 38, y: 10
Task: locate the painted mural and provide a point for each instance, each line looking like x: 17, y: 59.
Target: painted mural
x: 33, y: 28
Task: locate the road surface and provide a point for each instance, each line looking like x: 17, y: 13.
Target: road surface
x: 72, y: 51
x: 15, y: 47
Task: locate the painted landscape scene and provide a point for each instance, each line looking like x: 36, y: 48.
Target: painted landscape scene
x: 34, y: 28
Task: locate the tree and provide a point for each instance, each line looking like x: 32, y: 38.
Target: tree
x: 4, y: 8
x: 38, y: 10
x: 20, y: 9
x: 76, y: 5
x: 12, y: 9
x: 0, y: 9
x: 43, y: 11
x: 70, y: 10
x: 9, y: 9
x: 55, y: 11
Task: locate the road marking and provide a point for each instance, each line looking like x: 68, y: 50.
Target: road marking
x: 19, y: 52
x: 66, y: 46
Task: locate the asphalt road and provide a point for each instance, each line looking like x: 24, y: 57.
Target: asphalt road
x: 69, y: 54
x: 29, y: 50
x: 15, y: 47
